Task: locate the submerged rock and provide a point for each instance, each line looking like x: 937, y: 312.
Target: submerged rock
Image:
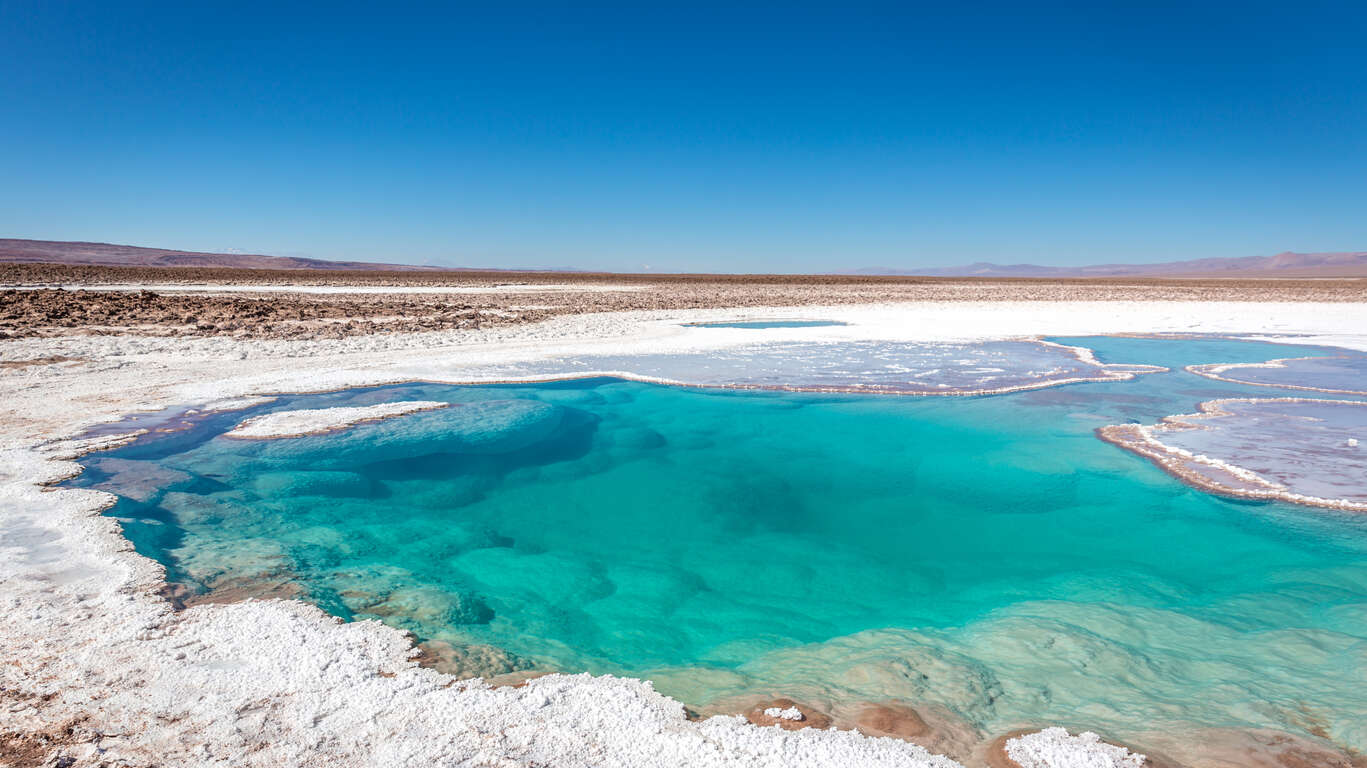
x: 235, y: 590
x: 137, y: 480
x: 894, y: 720
x: 321, y: 483
x: 466, y: 661
x: 787, y: 714
x: 490, y: 427
x: 298, y: 423
x: 431, y: 606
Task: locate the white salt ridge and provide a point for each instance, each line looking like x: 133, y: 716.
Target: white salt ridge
x: 891, y: 367
x: 279, y: 682
x: 234, y: 403
x: 779, y: 713
x: 319, y: 420
x: 1214, y: 448
x: 1056, y: 748
x: 1313, y: 374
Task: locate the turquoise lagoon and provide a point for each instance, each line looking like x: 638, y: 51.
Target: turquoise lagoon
x: 985, y: 555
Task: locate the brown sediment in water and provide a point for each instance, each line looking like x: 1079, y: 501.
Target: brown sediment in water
x: 1208, y: 474
x: 894, y: 720
x: 1267, y: 749
x: 930, y: 727
x: 495, y: 665
x: 277, y: 583
x: 238, y: 589
x: 467, y: 661
x: 137, y: 480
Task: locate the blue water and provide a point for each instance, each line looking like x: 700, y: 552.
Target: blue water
x: 989, y: 555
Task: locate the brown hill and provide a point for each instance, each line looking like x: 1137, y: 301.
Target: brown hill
x: 1287, y: 264
x: 106, y: 254
x: 1282, y: 265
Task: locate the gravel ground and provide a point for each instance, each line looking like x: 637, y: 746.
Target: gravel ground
x: 238, y: 312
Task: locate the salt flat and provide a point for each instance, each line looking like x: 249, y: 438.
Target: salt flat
x: 94, y: 646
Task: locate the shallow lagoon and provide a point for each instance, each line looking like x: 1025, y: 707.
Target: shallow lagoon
x: 1341, y: 374
x: 988, y: 555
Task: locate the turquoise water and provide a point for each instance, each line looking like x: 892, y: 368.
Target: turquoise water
x: 988, y: 555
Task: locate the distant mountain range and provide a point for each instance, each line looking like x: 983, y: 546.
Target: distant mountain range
x: 105, y: 254
x: 1286, y: 264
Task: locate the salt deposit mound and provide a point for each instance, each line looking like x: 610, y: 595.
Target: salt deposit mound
x: 490, y: 427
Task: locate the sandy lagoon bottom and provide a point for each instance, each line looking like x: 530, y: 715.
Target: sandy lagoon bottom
x: 988, y: 558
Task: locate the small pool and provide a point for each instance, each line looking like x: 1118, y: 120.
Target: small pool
x: 761, y: 324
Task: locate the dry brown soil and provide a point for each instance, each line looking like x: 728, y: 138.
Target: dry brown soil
x: 52, y: 312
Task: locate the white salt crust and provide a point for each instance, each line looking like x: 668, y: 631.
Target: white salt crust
x: 1054, y: 747
x: 1217, y: 372
x: 88, y: 642
x: 319, y: 420
x: 779, y: 713
x: 1212, y: 473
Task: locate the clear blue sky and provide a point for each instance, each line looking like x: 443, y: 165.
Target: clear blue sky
x: 699, y: 137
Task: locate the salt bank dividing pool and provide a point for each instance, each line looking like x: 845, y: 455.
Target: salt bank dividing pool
x: 988, y: 557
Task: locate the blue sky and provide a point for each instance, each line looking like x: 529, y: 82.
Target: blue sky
x: 700, y: 137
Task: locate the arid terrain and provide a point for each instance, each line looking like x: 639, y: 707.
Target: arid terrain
x: 56, y: 299
x: 103, y: 674
x: 1285, y: 265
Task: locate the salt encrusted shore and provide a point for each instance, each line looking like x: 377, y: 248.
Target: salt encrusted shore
x: 317, y: 421
x: 1217, y: 372
x: 100, y: 664
x: 1097, y: 372
x: 1212, y: 473
x: 1055, y: 746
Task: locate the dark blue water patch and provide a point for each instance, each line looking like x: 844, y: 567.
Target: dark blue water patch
x: 762, y: 324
